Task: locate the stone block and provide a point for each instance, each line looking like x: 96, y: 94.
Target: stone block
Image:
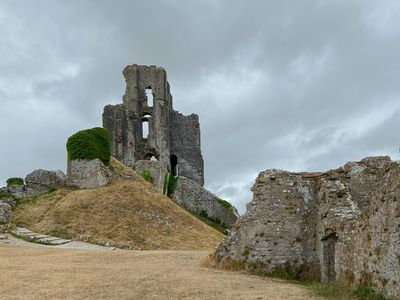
x: 86, y: 174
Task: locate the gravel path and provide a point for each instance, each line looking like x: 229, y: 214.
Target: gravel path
x: 14, y: 241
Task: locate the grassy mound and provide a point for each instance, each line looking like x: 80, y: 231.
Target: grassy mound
x: 89, y: 144
x: 126, y: 213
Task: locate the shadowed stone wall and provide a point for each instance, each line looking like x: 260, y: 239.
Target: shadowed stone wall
x: 342, y: 225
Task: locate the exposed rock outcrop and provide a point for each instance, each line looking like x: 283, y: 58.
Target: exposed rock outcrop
x: 87, y: 174
x: 41, y: 180
x: 199, y: 200
x: 342, y: 225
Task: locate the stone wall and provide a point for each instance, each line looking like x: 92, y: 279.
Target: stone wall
x: 87, y: 174
x: 342, y: 225
x: 155, y: 169
x: 185, y: 144
x: 195, y: 198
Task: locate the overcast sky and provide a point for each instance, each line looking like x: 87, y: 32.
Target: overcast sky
x: 296, y: 85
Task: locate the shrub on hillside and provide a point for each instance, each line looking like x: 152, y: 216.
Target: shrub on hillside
x: 89, y: 144
x: 14, y: 181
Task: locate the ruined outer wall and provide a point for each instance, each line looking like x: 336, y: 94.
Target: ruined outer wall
x: 277, y: 226
x: 344, y: 225
x: 185, y: 144
x: 368, y: 247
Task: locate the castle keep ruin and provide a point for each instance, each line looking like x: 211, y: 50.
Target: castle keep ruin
x: 148, y: 134
x: 341, y: 225
x: 146, y: 127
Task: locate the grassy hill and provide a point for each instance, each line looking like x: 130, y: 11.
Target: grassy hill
x: 128, y: 212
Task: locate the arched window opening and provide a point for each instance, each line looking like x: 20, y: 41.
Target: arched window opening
x: 174, y: 165
x: 150, y: 156
x: 149, y: 97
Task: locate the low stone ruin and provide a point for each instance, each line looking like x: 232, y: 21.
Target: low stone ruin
x: 87, y: 174
x: 37, y: 182
x: 342, y: 225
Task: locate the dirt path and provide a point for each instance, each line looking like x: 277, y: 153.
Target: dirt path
x: 42, y: 273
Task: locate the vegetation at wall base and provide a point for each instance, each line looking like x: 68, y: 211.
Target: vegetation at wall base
x: 14, y: 181
x: 170, y: 184
x: 89, y: 144
x: 334, y: 291
x: 147, y: 176
x: 203, y: 216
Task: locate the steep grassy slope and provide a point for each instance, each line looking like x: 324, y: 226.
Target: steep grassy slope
x: 128, y: 212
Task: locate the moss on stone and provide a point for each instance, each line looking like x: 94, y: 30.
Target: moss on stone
x: 89, y: 144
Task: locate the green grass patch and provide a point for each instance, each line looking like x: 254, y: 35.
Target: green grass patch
x: 147, y: 176
x: 89, y: 144
x: 14, y: 181
x: 170, y: 184
x: 224, y: 203
x: 5, y: 195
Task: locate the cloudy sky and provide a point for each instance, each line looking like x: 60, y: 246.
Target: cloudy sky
x: 297, y: 85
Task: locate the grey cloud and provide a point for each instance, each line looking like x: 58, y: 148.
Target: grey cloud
x: 299, y: 85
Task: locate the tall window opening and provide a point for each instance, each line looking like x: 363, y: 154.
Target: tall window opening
x: 150, y: 97
x: 146, y: 125
x: 145, y: 128
x: 174, y: 165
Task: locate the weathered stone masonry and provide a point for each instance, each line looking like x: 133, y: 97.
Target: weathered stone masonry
x: 172, y: 143
x: 341, y: 225
x: 173, y: 139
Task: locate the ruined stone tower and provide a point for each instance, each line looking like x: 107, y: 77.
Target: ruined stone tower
x: 146, y: 127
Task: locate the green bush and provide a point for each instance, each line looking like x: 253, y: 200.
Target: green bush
x: 224, y: 203
x: 14, y: 181
x: 89, y: 144
x: 5, y: 195
x: 170, y: 184
x: 147, y: 176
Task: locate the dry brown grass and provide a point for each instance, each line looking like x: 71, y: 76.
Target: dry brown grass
x: 29, y: 273
x: 127, y: 212
x: 209, y: 261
